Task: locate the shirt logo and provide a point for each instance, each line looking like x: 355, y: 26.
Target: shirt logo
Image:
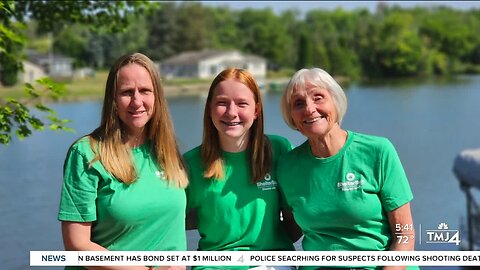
x: 267, y: 183
x: 351, y: 182
x: 160, y: 174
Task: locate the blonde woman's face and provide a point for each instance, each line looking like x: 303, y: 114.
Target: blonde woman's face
x: 135, y: 97
x: 233, y: 111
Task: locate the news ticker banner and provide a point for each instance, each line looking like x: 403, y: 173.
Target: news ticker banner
x: 255, y: 258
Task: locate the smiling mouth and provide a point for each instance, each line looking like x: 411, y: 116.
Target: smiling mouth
x: 313, y: 120
x: 231, y: 124
x: 136, y: 113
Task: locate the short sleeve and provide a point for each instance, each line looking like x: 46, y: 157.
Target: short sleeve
x: 395, y: 190
x: 79, y: 191
x: 280, y: 145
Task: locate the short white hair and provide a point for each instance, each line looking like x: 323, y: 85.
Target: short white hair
x: 319, y: 78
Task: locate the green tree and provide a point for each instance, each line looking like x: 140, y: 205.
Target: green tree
x: 333, y: 40
x: 263, y: 33
x: 322, y: 35
x: 391, y: 45
x: 11, y: 42
x: 305, y: 50
x: 15, y: 115
x: 343, y: 56
x: 73, y: 41
x: 175, y: 28
x: 41, y: 43
x: 194, y: 27
x: 450, y: 32
x: 401, y: 52
x: 224, y: 28
x: 367, y: 41
x: 474, y: 23
x: 291, y: 24
x: 162, y: 31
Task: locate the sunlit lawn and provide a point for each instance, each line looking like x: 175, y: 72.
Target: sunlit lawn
x: 92, y: 88
x: 77, y: 89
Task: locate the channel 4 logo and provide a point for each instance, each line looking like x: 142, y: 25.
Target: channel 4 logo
x: 442, y: 235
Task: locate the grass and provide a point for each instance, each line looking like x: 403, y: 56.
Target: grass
x: 92, y: 88
x: 88, y: 87
x: 78, y: 89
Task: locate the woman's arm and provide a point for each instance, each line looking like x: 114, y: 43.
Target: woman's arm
x: 401, y: 218
x: 76, y: 237
x: 293, y: 230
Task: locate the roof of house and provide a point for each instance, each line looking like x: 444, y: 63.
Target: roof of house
x: 192, y: 57
x: 41, y: 59
x: 31, y: 64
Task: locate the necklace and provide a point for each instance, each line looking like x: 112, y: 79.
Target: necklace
x: 136, y: 140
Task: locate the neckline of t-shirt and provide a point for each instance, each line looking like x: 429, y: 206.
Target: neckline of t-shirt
x: 337, y: 155
x: 141, y: 148
x: 234, y: 155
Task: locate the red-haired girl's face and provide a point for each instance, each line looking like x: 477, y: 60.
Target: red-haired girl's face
x: 233, y: 111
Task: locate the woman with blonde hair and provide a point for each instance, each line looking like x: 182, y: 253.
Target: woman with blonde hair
x: 233, y: 191
x: 124, y: 182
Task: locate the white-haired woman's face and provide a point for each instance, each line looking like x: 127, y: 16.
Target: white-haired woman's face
x: 313, y: 111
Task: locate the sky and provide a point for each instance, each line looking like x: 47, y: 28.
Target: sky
x: 303, y: 6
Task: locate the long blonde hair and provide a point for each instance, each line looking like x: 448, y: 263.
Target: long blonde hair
x: 108, y: 141
x: 258, y: 144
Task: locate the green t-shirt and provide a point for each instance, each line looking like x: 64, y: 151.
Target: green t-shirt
x: 148, y: 215
x: 341, y: 202
x: 233, y: 213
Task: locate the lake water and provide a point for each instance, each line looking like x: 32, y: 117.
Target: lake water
x: 428, y: 122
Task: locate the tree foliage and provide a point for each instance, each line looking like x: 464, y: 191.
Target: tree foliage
x: 226, y: 34
x: 390, y: 42
x: 16, y: 116
x: 263, y: 33
x: 399, y: 48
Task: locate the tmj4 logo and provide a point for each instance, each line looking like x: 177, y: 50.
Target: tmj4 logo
x: 443, y: 235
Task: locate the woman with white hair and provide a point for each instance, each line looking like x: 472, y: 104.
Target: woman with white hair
x: 347, y: 191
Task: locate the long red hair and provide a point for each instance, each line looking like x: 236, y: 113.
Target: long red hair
x: 258, y: 144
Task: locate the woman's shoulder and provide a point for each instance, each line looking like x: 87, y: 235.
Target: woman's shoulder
x: 277, y: 139
x: 192, y: 154
x: 296, y: 153
x: 80, y: 150
x: 371, y: 141
x: 82, y: 145
x: 280, y: 145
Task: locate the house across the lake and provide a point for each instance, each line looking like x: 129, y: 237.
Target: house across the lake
x: 41, y: 65
x: 31, y: 72
x: 206, y: 64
